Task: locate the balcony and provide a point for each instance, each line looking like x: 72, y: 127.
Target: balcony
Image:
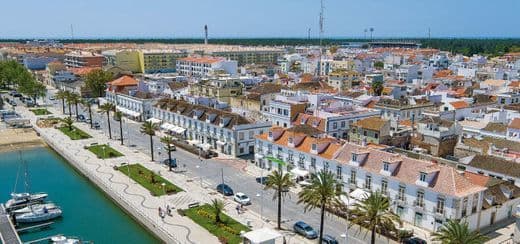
x: 401, y: 200
x: 418, y: 204
x: 439, y: 212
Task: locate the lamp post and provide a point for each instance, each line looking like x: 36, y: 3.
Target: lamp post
x: 104, y: 155
x: 164, y: 191
x: 346, y: 219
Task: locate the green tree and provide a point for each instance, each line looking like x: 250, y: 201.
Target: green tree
x: 87, y: 103
x: 107, y: 108
x: 149, y: 128
x: 374, y: 214
x: 455, y: 232
x: 280, y: 182
x: 217, y: 206
x: 74, y: 98
x: 96, y: 80
x: 168, y: 145
x: 62, y: 95
x: 377, y: 87
x: 68, y: 122
x: 323, y: 191
x: 379, y: 65
x: 119, y: 117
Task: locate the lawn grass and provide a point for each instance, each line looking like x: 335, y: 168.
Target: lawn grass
x: 75, y: 133
x: 143, y: 176
x: 108, y: 152
x: 40, y: 111
x: 228, y: 229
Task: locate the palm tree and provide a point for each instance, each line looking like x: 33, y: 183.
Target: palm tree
x: 455, y: 232
x: 323, y: 191
x: 69, y: 98
x: 217, y: 206
x: 280, y: 182
x: 149, y: 128
x: 88, y: 104
x: 106, y: 108
x: 119, y: 117
x: 168, y: 141
x: 62, y: 95
x: 68, y: 122
x: 374, y: 213
x: 74, y: 98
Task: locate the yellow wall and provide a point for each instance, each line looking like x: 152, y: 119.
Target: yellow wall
x: 129, y: 60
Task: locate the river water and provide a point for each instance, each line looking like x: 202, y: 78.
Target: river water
x: 87, y: 212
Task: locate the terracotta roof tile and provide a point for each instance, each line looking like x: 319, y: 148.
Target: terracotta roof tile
x: 515, y: 123
x: 459, y: 104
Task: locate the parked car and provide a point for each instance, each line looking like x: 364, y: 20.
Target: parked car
x: 225, y: 190
x: 13, y: 103
x: 305, y: 230
x: 17, y: 95
x: 173, y: 162
x: 414, y: 240
x: 81, y: 118
x: 242, y: 198
x: 261, y: 180
x: 328, y: 239
x: 96, y: 125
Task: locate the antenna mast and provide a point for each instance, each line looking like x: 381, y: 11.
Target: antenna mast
x: 321, y: 36
x: 71, y: 32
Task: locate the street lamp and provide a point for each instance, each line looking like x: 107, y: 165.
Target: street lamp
x: 104, y: 155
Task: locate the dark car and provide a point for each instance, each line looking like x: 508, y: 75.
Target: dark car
x: 304, y: 229
x: 96, y: 125
x: 82, y: 118
x: 328, y: 239
x: 225, y: 190
x: 173, y: 162
x: 414, y: 240
x: 17, y: 95
x: 261, y: 180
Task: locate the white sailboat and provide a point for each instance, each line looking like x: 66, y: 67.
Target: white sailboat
x: 39, y: 215
x: 60, y: 239
x: 20, y: 200
x: 32, y: 207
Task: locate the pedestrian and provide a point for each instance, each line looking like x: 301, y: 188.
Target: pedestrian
x: 168, y: 210
x: 242, y: 207
x: 238, y: 209
x: 160, y: 211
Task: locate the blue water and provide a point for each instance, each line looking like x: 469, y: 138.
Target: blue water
x: 87, y: 212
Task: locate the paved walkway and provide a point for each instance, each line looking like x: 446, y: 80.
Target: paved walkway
x: 176, y: 228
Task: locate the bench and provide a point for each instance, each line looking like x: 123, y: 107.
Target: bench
x: 193, y: 204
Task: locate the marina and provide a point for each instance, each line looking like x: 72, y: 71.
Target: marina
x: 84, y: 207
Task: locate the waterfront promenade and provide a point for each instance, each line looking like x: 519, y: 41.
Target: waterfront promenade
x: 137, y: 200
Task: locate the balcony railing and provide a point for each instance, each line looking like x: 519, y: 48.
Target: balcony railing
x: 439, y: 212
x: 418, y: 204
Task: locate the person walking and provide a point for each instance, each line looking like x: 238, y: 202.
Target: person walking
x: 238, y: 209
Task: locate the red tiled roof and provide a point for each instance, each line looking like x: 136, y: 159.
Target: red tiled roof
x: 124, y: 80
x: 515, y: 123
x: 459, y: 104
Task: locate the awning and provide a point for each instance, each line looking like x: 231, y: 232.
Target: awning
x: 154, y: 120
x: 221, y: 143
x: 128, y: 111
x: 347, y: 201
x: 300, y: 172
x: 264, y: 235
x: 260, y: 156
x: 359, y: 194
x: 204, y: 146
x: 168, y: 126
x: 179, y: 130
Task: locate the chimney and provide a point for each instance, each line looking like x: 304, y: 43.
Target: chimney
x: 205, y: 34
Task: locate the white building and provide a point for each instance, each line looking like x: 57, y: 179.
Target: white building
x: 422, y: 193
x: 209, y: 128
x: 205, y: 66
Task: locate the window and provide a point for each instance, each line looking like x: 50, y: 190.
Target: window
x: 335, y: 125
x: 325, y: 166
x: 290, y: 156
x: 270, y: 134
x: 384, y: 186
x: 422, y: 177
x: 354, y: 157
x: 342, y: 124
x: 313, y: 163
x: 399, y: 211
x: 401, y: 193
x: 376, y: 135
x: 440, y: 205
x: 353, y: 177
x: 338, y: 172
x: 365, y: 133
x: 241, y: 135
x: 464, y: 207
x: 420, y: 199
x: 474, y: 203
x: 368, y: 182
x: 291, y: 140
x: 386, y: 166
x: 269, y: 149
x: 314, y: 146
x: 251, y: 134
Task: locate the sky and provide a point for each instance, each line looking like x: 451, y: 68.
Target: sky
x: 257, y: 18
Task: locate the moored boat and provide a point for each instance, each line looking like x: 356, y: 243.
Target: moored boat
x: 20, y: 200
x: 37, y: 206
x: 39, y: 215
x: 60, y: 239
